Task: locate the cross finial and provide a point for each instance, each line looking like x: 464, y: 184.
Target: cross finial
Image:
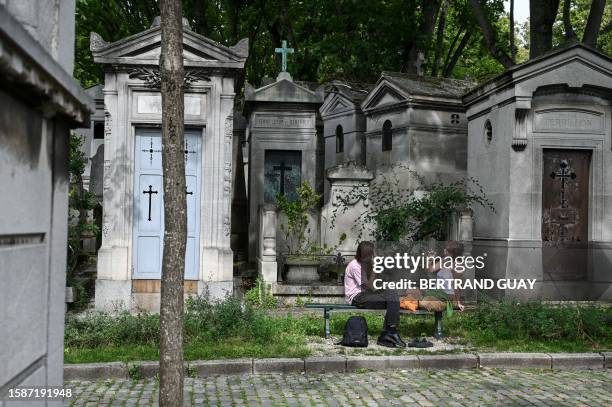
x: 284, y: 51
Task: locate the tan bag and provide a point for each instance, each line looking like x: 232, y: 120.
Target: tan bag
x: 432, y: 304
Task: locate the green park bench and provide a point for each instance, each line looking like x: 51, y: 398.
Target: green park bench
x: 328, y: 308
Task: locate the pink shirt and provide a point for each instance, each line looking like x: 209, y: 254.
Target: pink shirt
x: 352, y: 281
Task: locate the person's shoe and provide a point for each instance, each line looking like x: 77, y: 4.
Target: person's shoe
x: 420, y: 343
x: 390, y: 340
x: 397, y: 339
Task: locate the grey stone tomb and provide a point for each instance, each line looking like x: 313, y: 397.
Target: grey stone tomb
x: 40, y: 103
x: 540, y: 145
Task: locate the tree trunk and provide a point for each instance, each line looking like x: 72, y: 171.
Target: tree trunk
x: 591, y: 31
x: 448, y: 69
x: 489, y: 34
x: 440, y: 38
x: 200, y: 17
x: 542, y: 15
x: 427, y: 23
x: 511, y: 38
x: 175, y: 205
x: 570, y: 34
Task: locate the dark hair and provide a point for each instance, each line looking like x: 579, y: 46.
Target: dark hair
x: 454, y: 248
x: 365, y: 251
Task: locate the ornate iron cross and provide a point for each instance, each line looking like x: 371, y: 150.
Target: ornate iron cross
x: 150, y: 150
x: 282, y: 168
x: 187, y: 150
x: 150, y: 192
x: 564, y: 173
x: 284, y: 51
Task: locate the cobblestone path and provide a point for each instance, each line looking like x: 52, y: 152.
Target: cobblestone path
x: 384, y: 388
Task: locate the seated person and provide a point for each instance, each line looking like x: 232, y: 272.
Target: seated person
x: 452, y: 249
x: 359, y: 291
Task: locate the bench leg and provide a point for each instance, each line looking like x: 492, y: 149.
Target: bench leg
x: 326, y: 315
x: 438, y: 325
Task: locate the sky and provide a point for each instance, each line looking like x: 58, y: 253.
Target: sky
x: 521, y: 10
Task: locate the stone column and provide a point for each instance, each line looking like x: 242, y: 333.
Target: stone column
x: 216, y: 265
x: 267, y: 267
x: 113, y: 284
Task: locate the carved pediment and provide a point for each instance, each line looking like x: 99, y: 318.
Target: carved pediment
x: 283, y: 90
x: 336, y: 103
x: 144, y: 49
x: 384, y: 93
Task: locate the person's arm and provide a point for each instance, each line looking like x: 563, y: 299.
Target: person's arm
x: 367, y: 281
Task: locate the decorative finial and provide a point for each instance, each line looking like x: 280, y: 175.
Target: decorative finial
x: 284, y: 51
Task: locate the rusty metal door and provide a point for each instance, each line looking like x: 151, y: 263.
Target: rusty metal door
x: 565, y: 213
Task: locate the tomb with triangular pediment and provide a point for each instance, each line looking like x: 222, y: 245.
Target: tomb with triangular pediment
x: 418, y: 122
x: 343, y: 124
x: 129, y: 260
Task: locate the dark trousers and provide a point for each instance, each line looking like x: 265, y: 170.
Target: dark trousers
x: 380, y: 299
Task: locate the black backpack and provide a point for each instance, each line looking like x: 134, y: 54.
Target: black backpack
x: 355, y: 333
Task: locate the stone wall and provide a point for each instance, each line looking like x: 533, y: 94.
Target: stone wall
x: 39, y: 104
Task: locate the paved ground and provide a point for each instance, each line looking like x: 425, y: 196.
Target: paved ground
x: 396, y: 387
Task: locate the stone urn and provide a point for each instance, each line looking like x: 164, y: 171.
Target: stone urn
x: 302, y: 270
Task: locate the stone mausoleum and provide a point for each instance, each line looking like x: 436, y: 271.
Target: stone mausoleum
x: 537, y: 138
x: 129, y: 260
x: 540, y: 145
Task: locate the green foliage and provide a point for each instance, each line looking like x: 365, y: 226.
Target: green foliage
x: 510, y: 320
x: 297, y: 219
x: 260, y: 296
x: 134, y: 372
x: 348, y: 39
x: 80, y: 202
x: 226, y: 329
x: 398, y: 214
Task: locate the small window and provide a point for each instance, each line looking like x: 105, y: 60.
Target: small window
x: 454, y: 118
x: 387, y: 136
x: 98, y: 130
x: 488, y: 130
x: 339, y: 139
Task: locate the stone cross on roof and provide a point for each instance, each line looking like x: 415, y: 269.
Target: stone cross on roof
x: 284, y: 51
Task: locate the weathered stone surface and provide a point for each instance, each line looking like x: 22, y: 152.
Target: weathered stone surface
x: 515, y: 360
x: 216, y: 367
x: 470, y: 387
x: 460, y: 361
x: 381, y: 362
x: 607, y: 359
x: 325, y: 364
x: 95, y: 371
x: 577, y: 361
x: 148, y: 369
x: 278, y: 365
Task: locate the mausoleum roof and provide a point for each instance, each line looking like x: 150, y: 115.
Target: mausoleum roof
x: 576, y: 65
x: 144, y: 48
x: 427, y: 85
x: 283, y: 90
x: 355, y: 91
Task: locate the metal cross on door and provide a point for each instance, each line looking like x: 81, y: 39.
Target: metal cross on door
x: 565, y: 213
x: 148, y: 230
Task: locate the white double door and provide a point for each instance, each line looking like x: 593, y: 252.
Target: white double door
x: 148, y: 231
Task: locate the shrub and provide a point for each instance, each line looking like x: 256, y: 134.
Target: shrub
x: 537, y: 321
x: 260, y: 296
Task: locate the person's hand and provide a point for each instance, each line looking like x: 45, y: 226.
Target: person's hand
x: 460, y: 306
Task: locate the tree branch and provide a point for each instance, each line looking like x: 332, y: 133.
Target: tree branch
x: 591, y: 31
x: 489, y: 34
x: 570, y: 34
